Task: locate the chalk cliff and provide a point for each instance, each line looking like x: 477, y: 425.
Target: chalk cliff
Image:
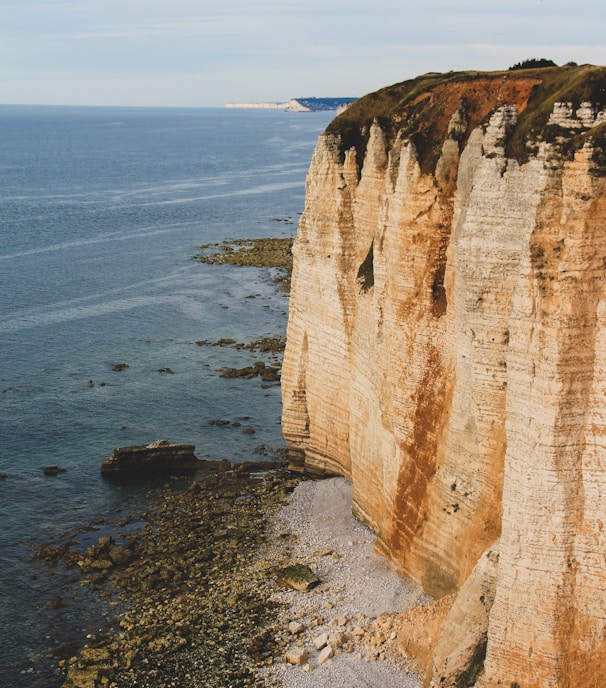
x: 446, y: 352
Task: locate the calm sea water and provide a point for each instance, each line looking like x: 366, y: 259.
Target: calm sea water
x: 100, y: 212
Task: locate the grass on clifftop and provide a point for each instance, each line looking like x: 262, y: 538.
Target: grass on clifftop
x: 421, y: 108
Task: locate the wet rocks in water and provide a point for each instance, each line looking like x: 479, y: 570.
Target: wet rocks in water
x: 160, y: 457
x: 57, y: 602
x: 276, y: 253
x: 274, y: 346
x: 197, y: 603
x: 246, y: 373
x: 219, y: 342
x: 271, y: 345
x: 270, y: 374
x: 271, y: 253
x: 119, y: 367
x: 105, y: 555
x: 267, y: 373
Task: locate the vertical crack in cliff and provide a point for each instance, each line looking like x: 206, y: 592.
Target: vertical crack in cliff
x: 298, y: 412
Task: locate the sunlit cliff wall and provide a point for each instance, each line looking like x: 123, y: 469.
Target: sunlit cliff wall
x: 446, y: 352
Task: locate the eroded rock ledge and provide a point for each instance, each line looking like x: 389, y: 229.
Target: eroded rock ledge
x: 446, y: 352
x: 158, y: 458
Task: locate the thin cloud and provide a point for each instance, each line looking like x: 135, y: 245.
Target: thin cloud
x: 197, y: 52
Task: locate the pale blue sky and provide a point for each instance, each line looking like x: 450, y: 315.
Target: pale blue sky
x: 202, y: 53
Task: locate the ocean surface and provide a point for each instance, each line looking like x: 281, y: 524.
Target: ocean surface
x: 101, y: 210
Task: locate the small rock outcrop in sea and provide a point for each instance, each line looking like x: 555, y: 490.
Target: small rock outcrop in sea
x: 160, y: 457
x: 105, y: 555
x: 260, y: 253
x: 267, y: 373
x: 53, y: 470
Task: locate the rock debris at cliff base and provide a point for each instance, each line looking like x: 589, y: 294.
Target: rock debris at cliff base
x: 345, y: 628
x: 203, y: 605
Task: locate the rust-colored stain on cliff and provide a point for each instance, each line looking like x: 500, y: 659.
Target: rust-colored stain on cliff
x: 426, y: 118
x: 410, y: 503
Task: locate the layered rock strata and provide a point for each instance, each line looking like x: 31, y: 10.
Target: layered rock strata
x: 158, y: 458
x: 446, y: 352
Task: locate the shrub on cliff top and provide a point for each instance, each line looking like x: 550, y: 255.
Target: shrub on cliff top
x: 533, y: 63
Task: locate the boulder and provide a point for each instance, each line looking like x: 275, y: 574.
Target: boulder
x: 297, y: 656
x: 270, y: 374
x: 326, y: 654
x: 298, y: 576
x: 296, y: 627
x: 159, y: 458
x: 320, y: 641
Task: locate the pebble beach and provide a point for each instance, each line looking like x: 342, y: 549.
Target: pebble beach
x: 199, y: 599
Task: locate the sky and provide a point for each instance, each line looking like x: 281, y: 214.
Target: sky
x: 202, y: 53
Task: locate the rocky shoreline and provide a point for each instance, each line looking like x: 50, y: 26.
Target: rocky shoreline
x: 203, y: 600
x: 196, y: 607
x: 204, y: 591
x: 192, y: 601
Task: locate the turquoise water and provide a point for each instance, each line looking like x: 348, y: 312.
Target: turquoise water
x: 101, y: 210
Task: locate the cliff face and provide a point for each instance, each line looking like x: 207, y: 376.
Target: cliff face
x: 447, y: 354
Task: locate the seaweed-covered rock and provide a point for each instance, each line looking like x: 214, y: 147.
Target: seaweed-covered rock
x: 298, y: 576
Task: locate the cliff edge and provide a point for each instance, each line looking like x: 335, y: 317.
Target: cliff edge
x: 446, y: 352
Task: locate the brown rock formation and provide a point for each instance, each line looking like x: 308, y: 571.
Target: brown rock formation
x: 159, y: 458
x: 446, y: 352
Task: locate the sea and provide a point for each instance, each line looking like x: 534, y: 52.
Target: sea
x: 101, y: 213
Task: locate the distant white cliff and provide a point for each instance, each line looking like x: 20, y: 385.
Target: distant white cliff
x: 299, y: 105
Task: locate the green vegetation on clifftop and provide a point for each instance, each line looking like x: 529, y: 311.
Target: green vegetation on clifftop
x: 421, y: 108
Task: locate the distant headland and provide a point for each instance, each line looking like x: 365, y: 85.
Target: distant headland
x: 299, y: 105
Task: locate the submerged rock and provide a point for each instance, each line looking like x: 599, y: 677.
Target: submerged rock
x: 53, y: 470
x: 267, y: 373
